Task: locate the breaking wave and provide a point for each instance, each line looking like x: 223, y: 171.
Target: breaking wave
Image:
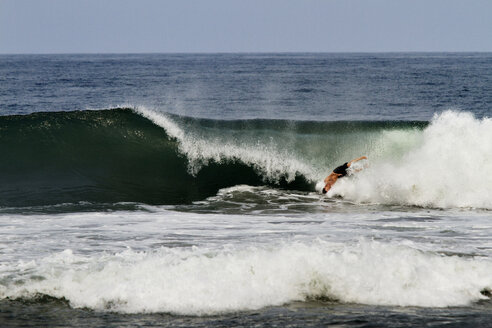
x: 141, y: 155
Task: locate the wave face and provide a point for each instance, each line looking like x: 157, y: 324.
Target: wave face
x: 140, y: 155
x: 199, y: 281
x: 112, y: 156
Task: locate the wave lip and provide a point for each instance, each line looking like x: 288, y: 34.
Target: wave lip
x: 272, y: 163
x: 200, y: 281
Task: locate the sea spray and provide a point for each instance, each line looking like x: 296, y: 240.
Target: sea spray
x: 451, y: 166
x: 266, y: 157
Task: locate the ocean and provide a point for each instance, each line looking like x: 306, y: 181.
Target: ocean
x: 184, y: 190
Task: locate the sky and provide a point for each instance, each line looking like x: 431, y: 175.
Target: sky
x: 201, y: 26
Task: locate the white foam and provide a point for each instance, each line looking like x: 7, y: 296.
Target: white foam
x: 451, y: 166
x: 201, y: 281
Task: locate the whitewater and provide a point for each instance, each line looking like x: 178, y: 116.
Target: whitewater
x: 449, y: 167
x: 254, y: 265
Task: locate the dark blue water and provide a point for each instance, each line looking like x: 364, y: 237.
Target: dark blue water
x: 103, y: 182
x: 230, y: 86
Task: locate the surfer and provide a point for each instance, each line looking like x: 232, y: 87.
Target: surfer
x: 339, y: 172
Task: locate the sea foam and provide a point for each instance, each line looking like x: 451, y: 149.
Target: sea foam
x: 201, y: 281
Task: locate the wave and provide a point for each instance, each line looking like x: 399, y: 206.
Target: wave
x: 200, y: 281
x: 141, y: 155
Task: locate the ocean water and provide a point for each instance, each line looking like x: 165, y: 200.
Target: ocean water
x: 184, y: 190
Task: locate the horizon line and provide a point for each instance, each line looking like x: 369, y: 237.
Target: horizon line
x: 249, y: 52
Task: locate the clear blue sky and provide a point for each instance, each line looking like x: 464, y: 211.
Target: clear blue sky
x: 135, y: 26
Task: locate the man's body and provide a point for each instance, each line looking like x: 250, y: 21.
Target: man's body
x: 339, y: 172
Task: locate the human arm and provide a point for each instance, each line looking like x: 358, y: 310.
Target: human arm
x: 356, y: 160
